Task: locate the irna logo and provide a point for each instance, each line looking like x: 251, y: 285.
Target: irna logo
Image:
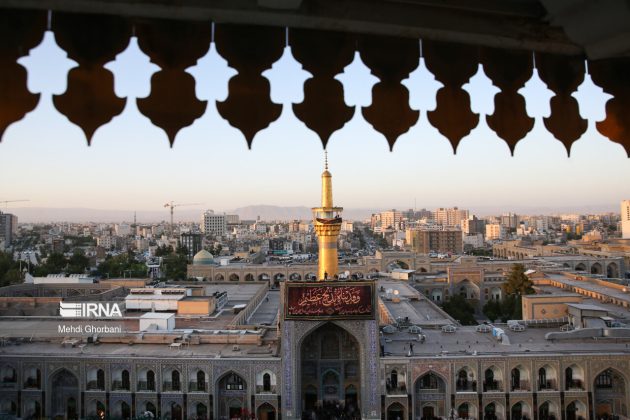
x: 89, y: 310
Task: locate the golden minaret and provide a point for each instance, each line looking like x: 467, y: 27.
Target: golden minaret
x: 327, y: 220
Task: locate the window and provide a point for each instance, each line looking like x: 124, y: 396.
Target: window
x: 266, y: 382
x: 175, y: 380
x: 150, y: 381
x: 604, y: 379
x: 234, y: 382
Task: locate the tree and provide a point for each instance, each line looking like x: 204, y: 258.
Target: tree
x: 511, y: 308
x: 121, y: 266
x: 9, y: 270
x: 13, y: 276
x: 182, y: 250
x: 517, y: 283
x: 492, y: 310
x: 78, y: 263
x: 163, y: 250
x: 55, y: 263
x: 460, y: 309
x: 176, y: 265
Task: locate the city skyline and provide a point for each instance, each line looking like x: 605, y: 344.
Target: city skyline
x: 130, y: 161
x: 278, y: 213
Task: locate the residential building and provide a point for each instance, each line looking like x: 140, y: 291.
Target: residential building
x: 509, y: 221
x: 474, y: 240
x: 494, y: 231
x: 232, y: 219
x: 213, y: 224
x: 473, y: 225
x: 192, y: 243
x: 424, y: 241
x: 449, y: 216
x: 8, y: 227
x: 391, y: 218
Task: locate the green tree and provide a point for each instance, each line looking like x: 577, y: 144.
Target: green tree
x: 9, y: 270
x: 12, y: 276
x: 78, y: 263
x: 182, y: 250
x: 460, y: 309
x: 517, y: 283
x: 163, y: 250
x: 215, y: 251
x: 55, y: 263
x: 121, y: 266
x: 175, y: 266
x: 492, y: 310
x: 511, y: 308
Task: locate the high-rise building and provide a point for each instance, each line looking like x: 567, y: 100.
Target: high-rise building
x: 8, y: 227
x: 391, y: 219
x: 192, y: 242
x: 449, y: 217
x: 494, y: 231
x: 375, y: 221
x: 327, y: 221
x: 232, y: 219
x: 424, y: 241
x: 294, y: 226
x: 473, y: 225
x: 122, y: 229
x: 625, y: 219
x: 213, y: 224
x: 509, y: 220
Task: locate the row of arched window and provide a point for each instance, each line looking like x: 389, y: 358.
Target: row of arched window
x: 492, y: 380
x: 146, y: 380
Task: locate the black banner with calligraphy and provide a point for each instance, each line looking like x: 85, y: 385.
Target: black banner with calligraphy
x: 329, y: 300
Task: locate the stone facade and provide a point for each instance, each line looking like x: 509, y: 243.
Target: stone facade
x: 598, y: 382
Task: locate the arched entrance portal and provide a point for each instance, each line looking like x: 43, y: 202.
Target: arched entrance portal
x: 266, y: 412
x: 331, y: 379
x: 395, y: 412
x: 65, y: 394
x: 232, y: 392
x: 430, y: 396
x: 610, y: 394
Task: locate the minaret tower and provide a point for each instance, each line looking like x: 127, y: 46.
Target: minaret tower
x: 327, y: 219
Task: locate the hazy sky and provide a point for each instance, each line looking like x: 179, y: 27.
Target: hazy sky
x: 45, y: 158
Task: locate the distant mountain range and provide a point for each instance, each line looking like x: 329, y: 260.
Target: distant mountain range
x: 265, y: 212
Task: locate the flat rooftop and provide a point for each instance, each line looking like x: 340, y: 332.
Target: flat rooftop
x: 267, y: 311
x: 56, y: 349
x: 237, y: 292
x: 466, y: 340
x: 413, y: 304
x: 591, y: 286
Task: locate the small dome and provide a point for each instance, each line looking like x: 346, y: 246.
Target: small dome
x: 203, y: 257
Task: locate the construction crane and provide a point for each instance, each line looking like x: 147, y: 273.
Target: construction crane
x: 172, y: 205
x: 6, y: 202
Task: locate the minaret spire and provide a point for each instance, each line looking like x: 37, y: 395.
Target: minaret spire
x: 327, y: 226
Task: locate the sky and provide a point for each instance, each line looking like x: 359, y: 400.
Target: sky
x: 129, y: 166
